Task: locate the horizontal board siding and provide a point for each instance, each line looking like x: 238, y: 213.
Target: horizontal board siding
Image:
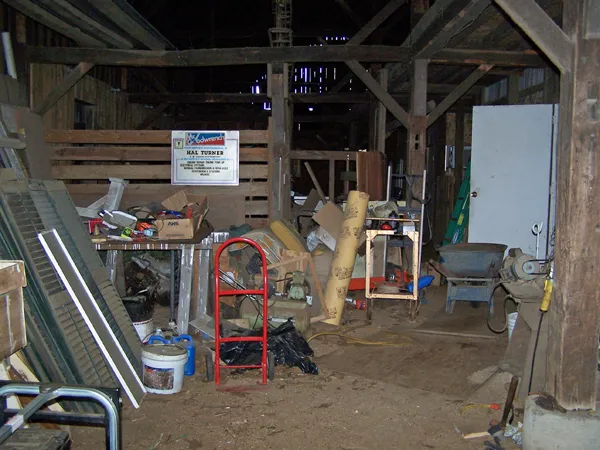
x: 120, y: 137
x: 139, y: 171
x: 137, y: 153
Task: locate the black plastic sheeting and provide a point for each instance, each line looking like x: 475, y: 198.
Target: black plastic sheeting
x: 285, y: 342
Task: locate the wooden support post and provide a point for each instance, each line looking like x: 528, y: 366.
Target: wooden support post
x: 63, y: 87
x: 513, y: 89
x: 417, y: 131
x: 279, y: 158
x: 542, y: 30
x: 574, y: 315
x: 459, y: 146
x: 381, y: 114
x: 332, y: 180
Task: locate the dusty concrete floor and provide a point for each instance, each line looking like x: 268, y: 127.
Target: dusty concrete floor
x: 407, y: 396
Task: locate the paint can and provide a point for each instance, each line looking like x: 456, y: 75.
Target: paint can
x: 163, y: 368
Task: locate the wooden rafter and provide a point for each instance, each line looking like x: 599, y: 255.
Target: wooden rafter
x: 540, y: 27
x: 63, y: 87
x: 436, y: 28
x: 457, y: 93
x: 153, y: 114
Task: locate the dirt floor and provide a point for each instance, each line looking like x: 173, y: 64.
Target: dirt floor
x: 405, y: 395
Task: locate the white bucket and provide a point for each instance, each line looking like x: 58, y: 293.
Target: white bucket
x: 163, y: 368
x: 512, y: 321
x: 143, y: 329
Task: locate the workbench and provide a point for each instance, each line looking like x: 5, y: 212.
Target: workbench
x: 194, y: 281
x: 406, y: 227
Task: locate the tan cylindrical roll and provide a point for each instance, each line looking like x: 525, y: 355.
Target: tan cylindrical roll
x: 346, y: 247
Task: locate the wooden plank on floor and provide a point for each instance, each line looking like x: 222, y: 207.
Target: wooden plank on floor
x: 139, y: 172
x: 121, y: 137
x: 135, y: 153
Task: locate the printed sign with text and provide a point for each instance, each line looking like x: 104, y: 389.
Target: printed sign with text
x: 209, y: 158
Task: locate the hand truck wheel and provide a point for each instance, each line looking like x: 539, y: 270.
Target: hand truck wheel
x: 270, y: 366
x: 210, y: 368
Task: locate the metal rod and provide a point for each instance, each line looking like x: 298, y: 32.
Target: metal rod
x: 387, y: 199
x: 172, y: 293
x: 510, y: 397
x: 112, y: 412
x: 9, y: 57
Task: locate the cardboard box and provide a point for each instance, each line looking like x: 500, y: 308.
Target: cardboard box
x: 330, y: 218
x: 171, y: 228
x: 13, y: 336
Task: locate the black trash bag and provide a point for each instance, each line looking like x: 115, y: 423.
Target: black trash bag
x: 287, y: 345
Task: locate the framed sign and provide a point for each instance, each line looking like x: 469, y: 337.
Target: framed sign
x: 209, y: 158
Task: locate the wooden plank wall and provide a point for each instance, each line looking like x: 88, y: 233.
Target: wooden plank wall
x: 111, y: 109
x: 85, y: 159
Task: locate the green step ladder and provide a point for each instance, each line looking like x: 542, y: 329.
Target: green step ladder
x: 460, y: 213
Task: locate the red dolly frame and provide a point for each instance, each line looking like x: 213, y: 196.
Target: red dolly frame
x: 222, y: 293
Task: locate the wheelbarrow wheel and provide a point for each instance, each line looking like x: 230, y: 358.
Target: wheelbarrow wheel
x: 210, y: 368
x: 270, y: 366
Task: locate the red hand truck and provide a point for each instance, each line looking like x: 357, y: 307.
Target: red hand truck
x: 267, y: 363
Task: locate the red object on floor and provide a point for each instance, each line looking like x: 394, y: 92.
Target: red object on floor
x: 224, y: 293
x: 358, y: 284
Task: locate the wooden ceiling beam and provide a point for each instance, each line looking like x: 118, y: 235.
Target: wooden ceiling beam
x: 265, y: 55
x: 429, y: 40
x: 457, y: 93
x: 39, y: 14
x: 542, y: 30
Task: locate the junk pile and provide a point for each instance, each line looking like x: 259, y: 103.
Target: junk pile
x: 71, y: 306
x: 177, y: 217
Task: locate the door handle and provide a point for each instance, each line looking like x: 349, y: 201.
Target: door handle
x: 474, y: 194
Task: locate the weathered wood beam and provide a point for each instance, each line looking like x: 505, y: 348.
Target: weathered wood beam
x: 376, y: 22
x: 427, y: 46
x: 39, y: 14
x: 454, y: 18
x: 382, y: 95
x: 425, y: 23
x: 574, y: 315
x: 216, y: 56
x: 264, y: 55
x: 366, y: 31
x: 455, y: 95
x: 152, y: 115
x: 128, y: 24
x: 350, y: 12
x: 380, y: 114
x: 63, y: 87
x: 326, y: 97
x: 74, y: 15
x: 542, y: 30
x: 322, y: 155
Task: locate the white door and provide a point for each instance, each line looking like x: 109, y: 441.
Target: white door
x: 511, y: 175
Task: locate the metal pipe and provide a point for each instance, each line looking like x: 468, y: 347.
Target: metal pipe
x: 112, y: 414
x: 9, y: 57
x: 387, y: 199
x: 172, y: 293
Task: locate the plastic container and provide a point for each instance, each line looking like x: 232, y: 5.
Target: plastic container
x: 512, y: 321
x: 186, y: 341
x: 144, y: 328
x: 163, y: 368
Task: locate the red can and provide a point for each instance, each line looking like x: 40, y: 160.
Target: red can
x: 360, y: 304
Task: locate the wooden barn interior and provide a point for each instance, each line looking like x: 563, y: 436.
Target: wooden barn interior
x: 280, y: 224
